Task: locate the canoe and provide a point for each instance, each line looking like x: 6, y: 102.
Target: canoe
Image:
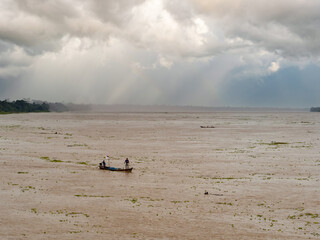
x: 115, y: 169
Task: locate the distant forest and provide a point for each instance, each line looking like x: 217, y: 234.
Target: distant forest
x: 315, y: 109
x: 22, y: 106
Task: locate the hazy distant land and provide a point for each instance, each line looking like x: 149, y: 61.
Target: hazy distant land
x: 164, y: 108
x: 43, y: 106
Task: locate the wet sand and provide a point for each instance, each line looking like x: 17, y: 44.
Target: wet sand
x: 261, y: 172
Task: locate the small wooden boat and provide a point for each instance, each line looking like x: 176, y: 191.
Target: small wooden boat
x: 115, y: 169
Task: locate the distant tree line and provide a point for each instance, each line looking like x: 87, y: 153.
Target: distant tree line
x: 22, y: 106
x: 57, y: 107
x: 315, y: 109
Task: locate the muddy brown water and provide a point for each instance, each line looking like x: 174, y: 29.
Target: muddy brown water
x: 261, y: 172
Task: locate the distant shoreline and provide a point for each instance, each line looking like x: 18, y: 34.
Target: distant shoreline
x: 42, y: 106
x: 160, y: 108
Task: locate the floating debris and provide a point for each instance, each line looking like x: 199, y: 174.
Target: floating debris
x: 214, y: 194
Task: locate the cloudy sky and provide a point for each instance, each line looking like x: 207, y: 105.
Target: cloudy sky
x: 173, y: 52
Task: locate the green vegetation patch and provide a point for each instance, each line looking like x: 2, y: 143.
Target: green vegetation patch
x: 27, y: 188
x: 84, y: 163
x: 51, y: 160
x: 55, y: 160
x: 34, y: 210
x: 151, y: 199
x: 223, y: 178
x: 76, y: 213
x: 312, y: 215
x: 225, y: 203
x: 133, y: 200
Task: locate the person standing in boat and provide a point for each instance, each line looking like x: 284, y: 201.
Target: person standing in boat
x: 126, y: 162
x: 108, y: 160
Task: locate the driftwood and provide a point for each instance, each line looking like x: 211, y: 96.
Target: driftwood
x: 207, y: 126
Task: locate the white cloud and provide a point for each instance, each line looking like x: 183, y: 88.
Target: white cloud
x: 165, y: 62
x: 274, y: 67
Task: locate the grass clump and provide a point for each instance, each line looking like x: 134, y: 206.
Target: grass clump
x: 50, y: 160
x: 225, y: 203
x: 76, y: 213
x: 312, y: 215
x: 55, y: 160
x: 133, y: 200
x: 223, y: 178
x: 83, y: 163
x: 34, y: 210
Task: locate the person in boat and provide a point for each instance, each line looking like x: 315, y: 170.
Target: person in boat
x: 126, y: 162
x: 103, y: 163
x: 108, y: 160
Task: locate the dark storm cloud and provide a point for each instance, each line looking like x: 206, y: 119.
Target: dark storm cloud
x: 288, y: 28
x: 153, y: 51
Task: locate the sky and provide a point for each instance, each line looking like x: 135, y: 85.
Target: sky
x: 243, y: 53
